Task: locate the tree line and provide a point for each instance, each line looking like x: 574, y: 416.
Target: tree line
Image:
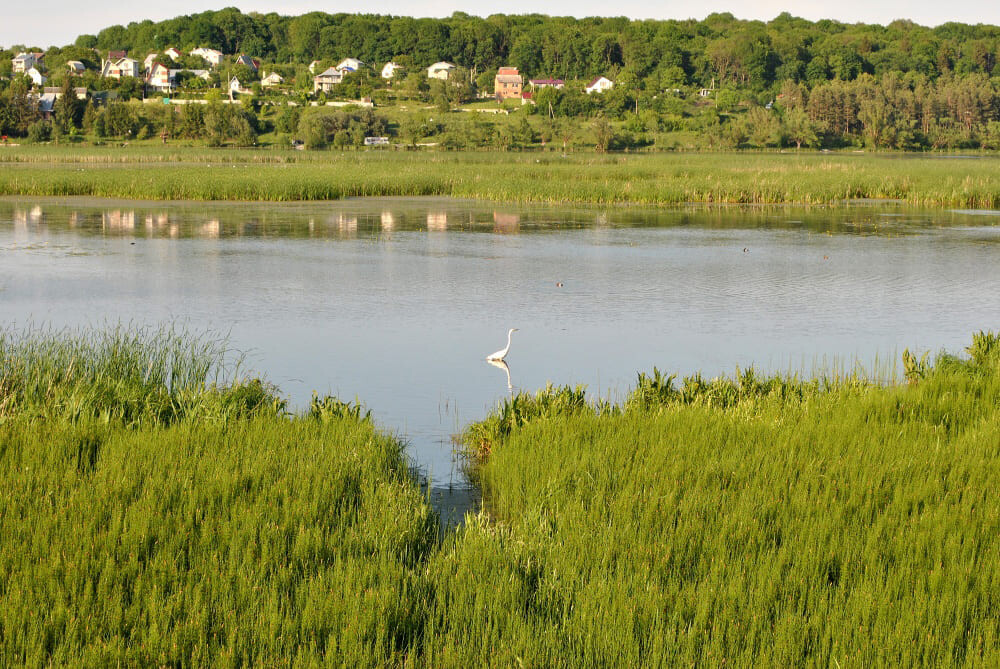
x: 785, y: 82
x: 720, y: 48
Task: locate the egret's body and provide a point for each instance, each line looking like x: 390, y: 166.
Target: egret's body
x: 502, y: 353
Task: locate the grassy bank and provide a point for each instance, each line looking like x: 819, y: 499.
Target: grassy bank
x: 747, y: 521
x: 199, y: 174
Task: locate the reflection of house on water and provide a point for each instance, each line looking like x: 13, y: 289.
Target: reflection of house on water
x: 506, y: 223
x: 437, y: 221
x: 347, y: 225
x: 24, y: 216
x: 388, y: 221
x: 156, y: 221
x: 117, y: 220
x: 210, y: 229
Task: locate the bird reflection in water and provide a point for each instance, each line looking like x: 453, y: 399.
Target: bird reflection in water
x: 502, y: 364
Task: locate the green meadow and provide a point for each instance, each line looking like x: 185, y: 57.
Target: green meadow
x: 190, y: 173
x: 162, y: 507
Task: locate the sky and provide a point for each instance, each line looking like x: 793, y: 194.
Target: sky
x: 57, y: 22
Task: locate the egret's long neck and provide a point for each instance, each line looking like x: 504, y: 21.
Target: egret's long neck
x: 509, y: 333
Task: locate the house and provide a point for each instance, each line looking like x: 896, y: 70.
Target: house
x: 159, y: 78
x: 25, y: 61
x: 75, y: 67
x: 46, y: 104
x: 350, y: 65
x: 273, y: 79
x: 80, y: 92
x: 37, y: 77
x: 116, y: 69
x: 147, y: 64
x: 116, y: 55
x: 507, y: 83
x: 174, y: 54
x: 235, y: 87
x: 389, y: 70
x: 212, y: 56
x: 599, y: 85
x: 252, y: 63
x: 164, y: 80
x: 542, y: 83
x: 327, y: 79
x: 200, y: 74
x: 312, y: 66
x: 440, y: 70
x: 705, y: 92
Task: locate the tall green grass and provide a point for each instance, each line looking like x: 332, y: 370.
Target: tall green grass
x: 198, y: 174
x: 747, y: 521
x: 785, y: 524
x: 136, y: 376
x: 151, y: 516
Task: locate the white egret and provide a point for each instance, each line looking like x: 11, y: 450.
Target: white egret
x: 502, y: 353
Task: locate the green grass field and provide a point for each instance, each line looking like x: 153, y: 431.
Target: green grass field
x: 160, y: 509
x: 186, y: 173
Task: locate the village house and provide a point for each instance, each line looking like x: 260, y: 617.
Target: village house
x: 80, y: 92
x: 47, y: 100
x: 124, y: 67
x: 599, y: 85
x: 46, y: 104
x: 37, y: 78
x: 350, y: 65
x: 273, y: 79
x: 23, y: 62
x: 327, y: 79
x: 507, y: 83
x: 252, y: 63
x: 159, y: 78
x: 174, y: 54
x: 440, y: 70
x: 147, y: 64
x: 164, y: 80
x: 75, y: 67
x: 390, y: 69
x: 542, y: 83
x: 236, y: 88
x: 212, y: 56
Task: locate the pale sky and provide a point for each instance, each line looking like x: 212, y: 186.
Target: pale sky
x: 57, y: 22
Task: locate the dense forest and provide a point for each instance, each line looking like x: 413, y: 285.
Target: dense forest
x: 749, y: 54
x: 786, y: 82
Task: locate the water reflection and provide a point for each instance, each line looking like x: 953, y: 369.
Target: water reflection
x: 373, y: 218
x: 502, y: 364
x: 437, y: 221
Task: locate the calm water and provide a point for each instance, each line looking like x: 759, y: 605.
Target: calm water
x: 397, y: 302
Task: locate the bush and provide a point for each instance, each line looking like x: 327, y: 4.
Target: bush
x: 39, y: 131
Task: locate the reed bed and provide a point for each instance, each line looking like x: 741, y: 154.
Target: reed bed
x: 746, y: 521
x: 740, y: 522
x: 544, y: 177
x: 235, y: 535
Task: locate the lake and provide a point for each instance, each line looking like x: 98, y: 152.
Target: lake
x: 398, y: 301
